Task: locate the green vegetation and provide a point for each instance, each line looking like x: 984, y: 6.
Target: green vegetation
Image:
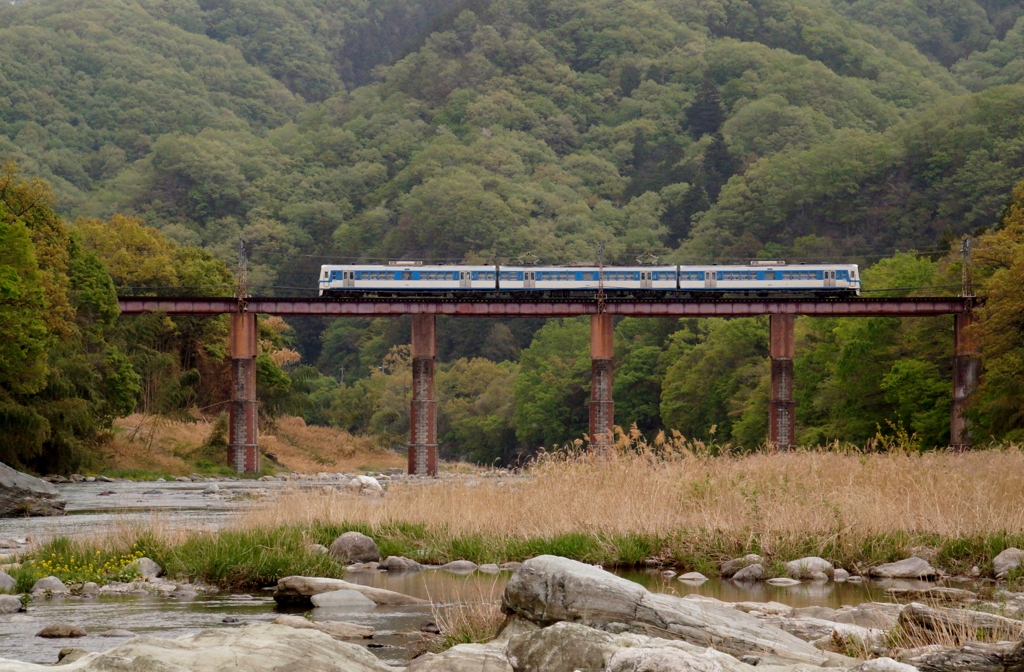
x: 252, y: 559
x: 480, y: 130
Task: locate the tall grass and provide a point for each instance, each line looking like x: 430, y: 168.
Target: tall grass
x: 675, y: 500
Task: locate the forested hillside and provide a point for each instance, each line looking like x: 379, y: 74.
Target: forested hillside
x: 466, y: 130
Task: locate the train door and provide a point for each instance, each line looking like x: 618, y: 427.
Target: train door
x: 645, y: 279
x: 709, y: 279
x: 348, y: 278
x: 830, y: 278
x: 529, y: 279
x: 465, y: 279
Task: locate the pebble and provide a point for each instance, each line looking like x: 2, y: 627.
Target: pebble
x: 783, y: 581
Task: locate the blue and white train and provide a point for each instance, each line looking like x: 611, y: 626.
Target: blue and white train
x: 759, y: 278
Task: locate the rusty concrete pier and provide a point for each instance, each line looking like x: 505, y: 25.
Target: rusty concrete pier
x: 966, y: 370
x: 602, y: 408
x: 243, y: 424
x: 423, y: 414
x: 782, y: 408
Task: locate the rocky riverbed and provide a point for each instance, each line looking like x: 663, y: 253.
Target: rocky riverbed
x: 560, y: 615
x: 803, y: 615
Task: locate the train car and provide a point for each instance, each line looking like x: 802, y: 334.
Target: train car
x: 773, y: 277
x: 587, y: 278
x: 406, y: 278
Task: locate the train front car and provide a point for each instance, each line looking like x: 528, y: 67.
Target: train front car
x: 404, y: 279
x: 773, y: 278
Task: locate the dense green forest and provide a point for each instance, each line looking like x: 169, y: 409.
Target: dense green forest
x: 870, y: 131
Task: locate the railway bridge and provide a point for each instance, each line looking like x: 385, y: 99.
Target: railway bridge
x: 243, y: 448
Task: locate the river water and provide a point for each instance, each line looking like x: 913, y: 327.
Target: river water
x: 185, y: 505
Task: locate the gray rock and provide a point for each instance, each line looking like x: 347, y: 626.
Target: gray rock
x: 50, y: 583
x: 488, y: 568
x: 464, y: 658
x: 510, y: 566
x: 76, y: 478
x: 824, y: 613
x: 806, y: 568
x: 342, y: 599
x: 118, y: 633
x: 396, y: 563
x: 1007, y: 561
x: 782, y: 581
x: 568, y: 647
x: 7, y: 582
x: 104, y: 479
x: 61, y: 630
x: 459, y: 567
x: 336, y: 629
x: 730, y: 567
x: 10, y: 604
x: 366, y: 485
x: 812, y: 629
x: 911, y: 568
x: 319, y: 549
x: 260, y: 647
x: 883, y: 665
x: 300, y: 589
x: 692, y: 578
x: 971, y: 657
x: 147, y: 568
x: 942, y: 620
x: 751, y: 573
x: 932, y: 594
x: 183, y: 479
x: 355, y: 547
x: 763, y: 608
x: 90, y: 479
x: 548, y: 589
x: 70, y: 654
x: 840, y: 575
x: 211, y: 489
x: 24, y: 495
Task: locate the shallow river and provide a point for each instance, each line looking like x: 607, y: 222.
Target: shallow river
x: 184, y: 504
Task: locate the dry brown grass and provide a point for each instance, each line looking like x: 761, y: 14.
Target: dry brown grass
x: 159, y: 444
x: 309, y: 449
x: 836, y: 501
x: 808, y: 491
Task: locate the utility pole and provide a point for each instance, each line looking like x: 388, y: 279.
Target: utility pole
x: 967, y: 280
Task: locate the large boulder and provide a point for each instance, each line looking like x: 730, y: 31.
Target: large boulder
x: 879, y: 615
x: 567, y: 647
x: 336, y: 629
x: 943, y: 621
x: 971, y: 657
x: 251, y: 648
x: 298, y: 590
x: 549, y: 589
x: 464, y: 658
x: 730, y: 567
x: 911, y: 568
x: 355, y: 547
x: 24, y: 495
x: 807, y: 568
x: 1007, y: 561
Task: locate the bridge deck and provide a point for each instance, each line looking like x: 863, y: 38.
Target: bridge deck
x: 476, y: 307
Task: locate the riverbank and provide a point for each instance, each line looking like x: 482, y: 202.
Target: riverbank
x: 682, y: 511
x: 148, y: 447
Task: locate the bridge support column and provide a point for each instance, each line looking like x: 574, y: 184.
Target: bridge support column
x: 243, y: 431
x: 423, y: 414
x: 966, y: 368
x: 602, y: 416
x: 782, y: 408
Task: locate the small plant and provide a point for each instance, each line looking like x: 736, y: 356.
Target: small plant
x: 74, y: 563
